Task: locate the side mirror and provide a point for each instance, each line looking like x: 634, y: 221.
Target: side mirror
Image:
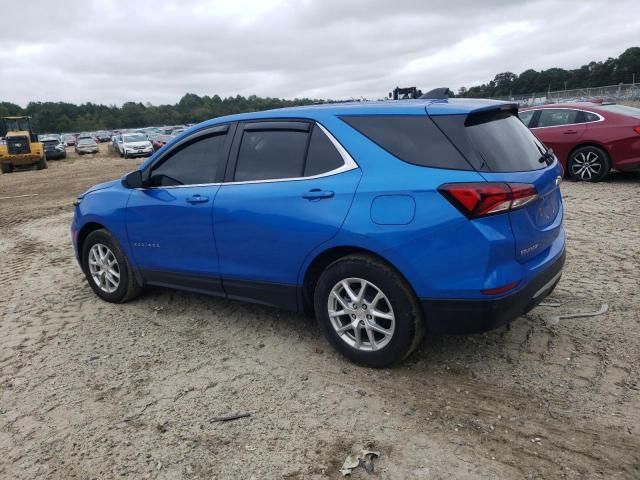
x: 133, y: 180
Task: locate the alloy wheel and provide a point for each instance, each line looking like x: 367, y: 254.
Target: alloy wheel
x: 104, y: 268
x: 361, y: 314
x: 586, y: 165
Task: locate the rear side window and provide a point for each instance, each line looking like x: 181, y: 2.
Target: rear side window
x: 526, y: 117
x: 590, y: 117
x: 411, y: 138
x: 271, y: 155
x: 551, y: 117
x: 323, y: 156
x: 199, y: 161
x: 503, y: 143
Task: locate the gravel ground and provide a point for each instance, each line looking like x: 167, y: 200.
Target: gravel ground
x: 94, y: 390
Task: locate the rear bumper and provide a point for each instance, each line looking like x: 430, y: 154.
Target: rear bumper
x: 459, y: 316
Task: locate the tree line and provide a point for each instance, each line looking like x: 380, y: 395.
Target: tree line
x: 67, y: 117
x: 594, y: 74
x: 58, y: 117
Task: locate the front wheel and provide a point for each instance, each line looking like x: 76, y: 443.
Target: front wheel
x: 107, y: 269
x: 367, y: 311
x: 6, y: 167
x: 588, y: 164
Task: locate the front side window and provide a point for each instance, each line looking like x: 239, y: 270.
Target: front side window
x: 555, y: 117
x: 271, y: 155
x: 196, y: 162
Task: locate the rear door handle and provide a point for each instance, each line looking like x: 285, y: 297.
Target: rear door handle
x: 317, y: 194
x: 197, y: 199
x: 570, y: 132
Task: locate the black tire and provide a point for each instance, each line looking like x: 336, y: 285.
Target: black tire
x: 42, y: 163
x: 588, y: 164
x: 128, y: 288
x: 409, y: 322
x: 6, y: 167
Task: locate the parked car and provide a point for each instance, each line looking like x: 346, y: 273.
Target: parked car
x: 135, y: 145
x: 589, y: 139
x: 69, y: 139
x: 385, y: 219
x: 161, y: 141
x: 54, y: 147
x: 103, y: 136
x: 86, y: 145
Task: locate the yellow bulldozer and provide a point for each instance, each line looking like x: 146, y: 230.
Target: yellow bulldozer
x: 20, y: 147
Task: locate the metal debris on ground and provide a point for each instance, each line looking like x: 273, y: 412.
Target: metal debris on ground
x: 554, y: 320
x: 364, y: 459
x: 228, y: 418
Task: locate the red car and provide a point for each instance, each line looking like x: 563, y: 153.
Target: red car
x: 589, y: 139
x: 161, y: 141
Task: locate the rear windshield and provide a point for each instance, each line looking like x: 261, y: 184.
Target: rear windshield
x: 622, y: 110
x: 494, y: 141
x: 412, y: 138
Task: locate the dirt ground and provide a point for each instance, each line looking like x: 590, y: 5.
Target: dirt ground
x: 91, y: 390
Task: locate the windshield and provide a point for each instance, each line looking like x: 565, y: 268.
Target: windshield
x: 622, y: 110
x: 86, y: 141
x: 134, y: 138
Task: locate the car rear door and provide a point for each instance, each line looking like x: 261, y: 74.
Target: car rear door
x: 169, y: 223
x: 560, y: 129
x: 289, y: 187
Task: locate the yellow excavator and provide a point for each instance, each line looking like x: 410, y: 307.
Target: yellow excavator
x: 20, y: 147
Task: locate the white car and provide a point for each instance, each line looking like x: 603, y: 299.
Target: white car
x: 134, y: 145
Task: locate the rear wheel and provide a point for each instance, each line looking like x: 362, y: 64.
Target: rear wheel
x: 107, y: 269
x: 367, y: 311
x: 588, y: 164
x: 6, y: 167
x: 42, y: 163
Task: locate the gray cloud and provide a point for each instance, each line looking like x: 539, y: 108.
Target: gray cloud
x: 111, y: 51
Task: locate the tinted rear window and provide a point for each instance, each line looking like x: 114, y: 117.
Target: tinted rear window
x: 504, y: 143
x: 494, y: 141
x: 413, y: 139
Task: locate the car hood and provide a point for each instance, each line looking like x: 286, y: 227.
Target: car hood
x: 145, y: 143
x: 100, y: 186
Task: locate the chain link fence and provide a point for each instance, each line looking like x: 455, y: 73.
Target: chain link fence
x: 621, y: 93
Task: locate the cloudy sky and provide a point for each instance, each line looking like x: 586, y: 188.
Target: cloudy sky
x: 112, y: 51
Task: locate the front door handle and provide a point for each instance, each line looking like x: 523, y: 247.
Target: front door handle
x: 317, y: 194
x: 570, y: 132
x: 197, y: 199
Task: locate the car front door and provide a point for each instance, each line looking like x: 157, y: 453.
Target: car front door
x: 289, y: 187
x: 560, y: 129
x: 169, y: 223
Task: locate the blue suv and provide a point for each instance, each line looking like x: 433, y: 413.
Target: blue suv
x: 383, y: 219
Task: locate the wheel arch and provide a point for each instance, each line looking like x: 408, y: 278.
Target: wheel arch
x: 323, y: 259
x: 85, y: 231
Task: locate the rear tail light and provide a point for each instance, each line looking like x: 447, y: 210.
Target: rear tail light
x: 637, y: 130
x: 476, y: 200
